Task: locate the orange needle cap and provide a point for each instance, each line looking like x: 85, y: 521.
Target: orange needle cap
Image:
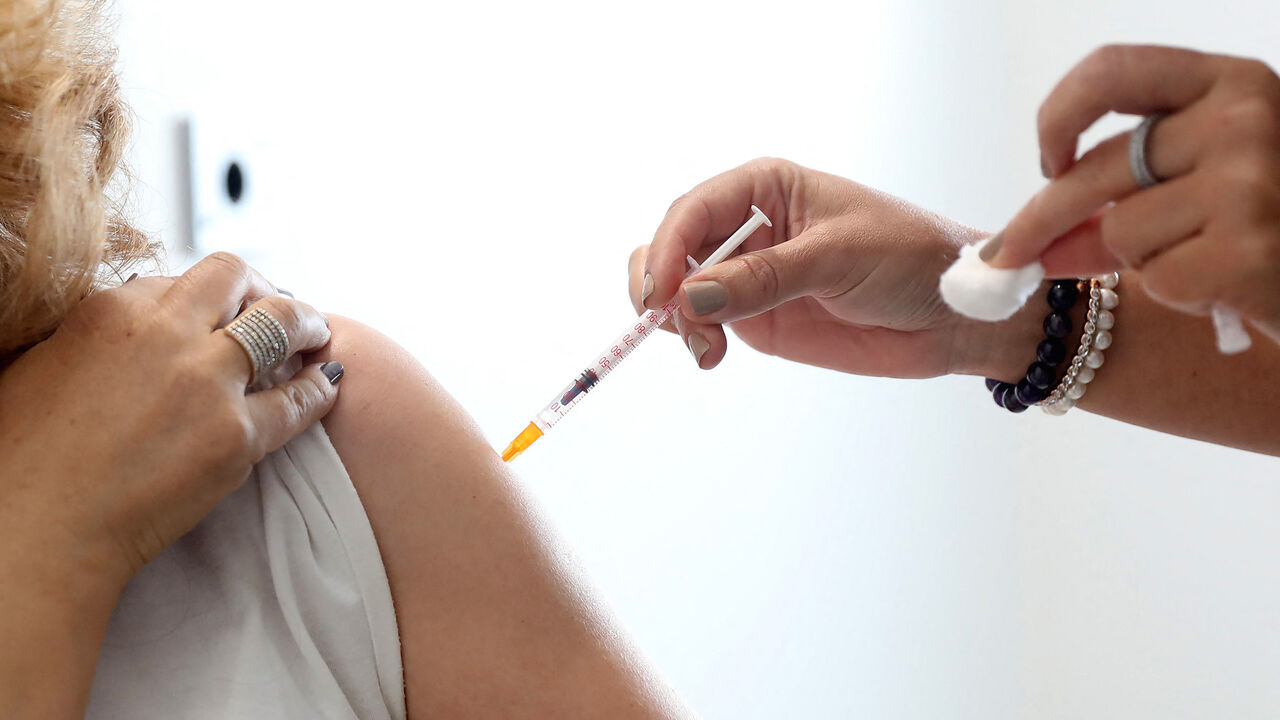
x: 522, y: 442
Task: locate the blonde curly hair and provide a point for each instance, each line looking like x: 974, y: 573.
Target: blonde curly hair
x: 63, y: 130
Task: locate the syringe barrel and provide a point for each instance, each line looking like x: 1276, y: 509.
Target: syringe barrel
x: 645, y: 325
x: 606, y: 362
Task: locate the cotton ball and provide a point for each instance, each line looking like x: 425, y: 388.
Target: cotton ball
x: 973, y: 288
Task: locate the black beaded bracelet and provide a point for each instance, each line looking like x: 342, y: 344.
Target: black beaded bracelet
x: 1050, y: 353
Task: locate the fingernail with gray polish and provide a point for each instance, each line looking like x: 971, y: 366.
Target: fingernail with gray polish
x: 706, y: 296
x: 647, y: 289
x: 1044, y: 168
x: 992, y: 247
x: 698, y: 346
x: 333, y: 370
x: 284, y: 292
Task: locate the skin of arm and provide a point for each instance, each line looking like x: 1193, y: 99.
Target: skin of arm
x: 55, y: 603
x: 1163, y: 371
x: 495, y: 620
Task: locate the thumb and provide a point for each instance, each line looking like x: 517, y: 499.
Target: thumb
x: 282, y: 412
x: 756, y: 282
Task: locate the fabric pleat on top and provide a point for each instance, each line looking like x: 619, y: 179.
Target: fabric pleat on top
x: 275, y: 606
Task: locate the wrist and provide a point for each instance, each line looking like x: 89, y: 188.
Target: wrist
x: 59, y: 567
x: 57, y: 604
x: 1003, y: 350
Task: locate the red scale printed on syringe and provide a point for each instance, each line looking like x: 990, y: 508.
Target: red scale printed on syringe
x: 611, y: 358
x: 619, y: 349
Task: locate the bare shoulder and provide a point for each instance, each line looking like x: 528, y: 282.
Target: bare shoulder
x: 388, y: 400
x: 494, y: 619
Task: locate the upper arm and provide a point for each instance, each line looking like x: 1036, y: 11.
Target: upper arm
x: 494, y: 619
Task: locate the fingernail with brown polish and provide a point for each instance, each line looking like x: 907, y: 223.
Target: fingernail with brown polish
x: 992, y: 248
x: 333, y: 370
x: 698, y: 346
x: 647, y: 289
x: 131, y: 278
x: 706, y: 296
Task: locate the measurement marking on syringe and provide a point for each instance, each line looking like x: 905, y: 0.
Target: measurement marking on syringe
x: 647, y: 324
x: 651, y: 322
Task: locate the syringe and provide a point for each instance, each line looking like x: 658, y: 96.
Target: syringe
x: 613, y: 355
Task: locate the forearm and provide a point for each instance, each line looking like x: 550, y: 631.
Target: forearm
x: 53, y: 616
x: 1163, y: 372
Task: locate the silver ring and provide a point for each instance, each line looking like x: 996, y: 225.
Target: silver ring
x: 264, y: 340
x: 1139, y: 144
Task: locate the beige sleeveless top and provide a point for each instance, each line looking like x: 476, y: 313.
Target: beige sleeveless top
x: 275, y: 606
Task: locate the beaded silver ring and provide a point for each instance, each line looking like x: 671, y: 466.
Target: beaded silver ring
x: 263, y: 339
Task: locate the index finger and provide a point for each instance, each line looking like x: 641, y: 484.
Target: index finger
x: 1131, y: 79
x: 1101, y: 176
x: 706, y: 215
x: 218, y: 287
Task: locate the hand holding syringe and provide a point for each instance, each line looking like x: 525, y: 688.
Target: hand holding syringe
x: 613, y: 355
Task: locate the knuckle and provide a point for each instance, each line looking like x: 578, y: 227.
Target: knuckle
x: 678, y: 202
x: 1252, y: 119
x: 191, y: 379
x: 775, y: 172
x: 1255, y: 74
x: 106, y: 299
x: 1102, y: 53
x: 1100, y: 65
x: 762, y: 274
x: 233, y: 431
x: 1095, y: 166
x: 303, y: 399
x: 229, y: 262
x: 1242, y: 190
x: 1114, y: 55
x: 103, y: 310
x: 289, y: 312
x: 767, y: 165
x: 297, y: 399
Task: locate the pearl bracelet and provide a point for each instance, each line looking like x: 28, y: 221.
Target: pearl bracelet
x: 1096, y: 338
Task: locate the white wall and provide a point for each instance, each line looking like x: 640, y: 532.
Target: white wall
x: 784, y: 541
